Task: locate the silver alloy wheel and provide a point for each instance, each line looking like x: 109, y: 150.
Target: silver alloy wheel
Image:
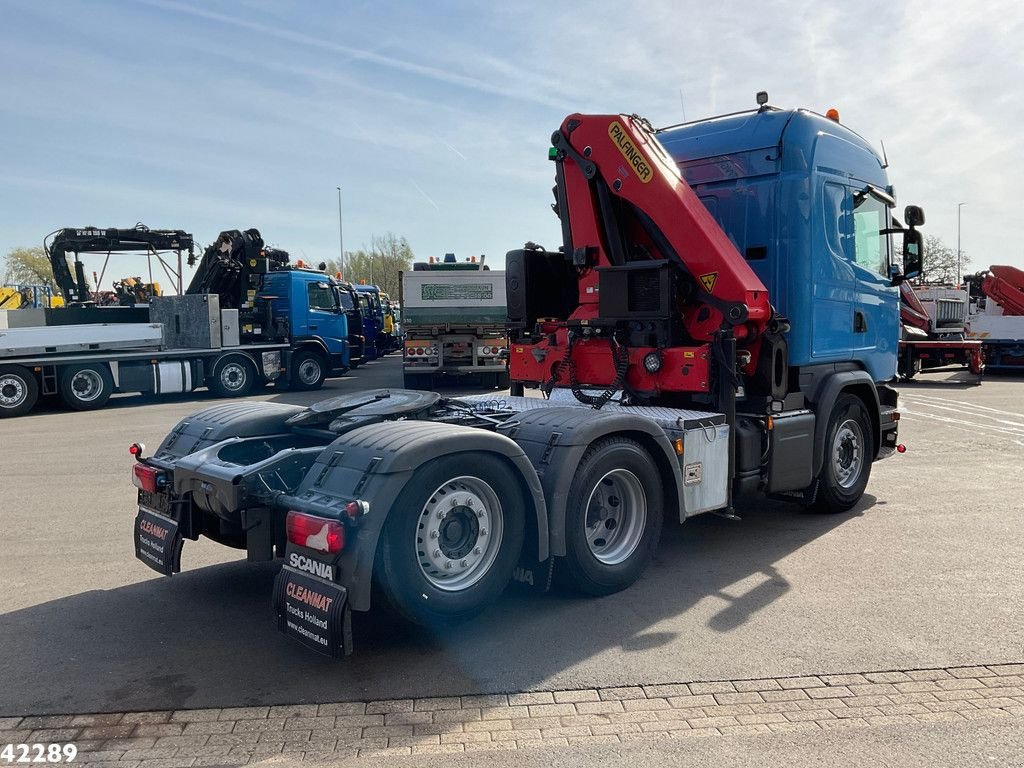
x: 459, y: 533
x: 87, y: 385
x: 848, y: 453
x: 233, y: 376
x: 616, y: 516
x: 309, y: 371
x: 13, y: 390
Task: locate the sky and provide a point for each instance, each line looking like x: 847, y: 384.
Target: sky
x: 435, y: 118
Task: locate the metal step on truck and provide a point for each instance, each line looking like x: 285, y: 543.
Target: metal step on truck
x: 247, y: 319
x: 721, y: 320
x: 454, y: 318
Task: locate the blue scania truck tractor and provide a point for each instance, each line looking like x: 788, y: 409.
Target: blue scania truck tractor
x: 720, y: 321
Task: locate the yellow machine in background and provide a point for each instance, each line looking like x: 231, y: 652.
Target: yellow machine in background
x: 25, y: 296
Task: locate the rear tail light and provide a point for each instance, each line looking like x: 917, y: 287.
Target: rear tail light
x: 315, y: 532
x: 148, y: 478
x: 136, y: 449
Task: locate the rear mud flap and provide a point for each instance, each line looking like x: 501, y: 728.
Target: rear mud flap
x: 314, y: 612
x: 532, y: 574
x: 158, y: 542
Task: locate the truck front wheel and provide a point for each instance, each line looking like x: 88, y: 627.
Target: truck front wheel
x: 452, y: 539
x: 308, y: 370
x: 233, y: 376
x: 86, y: 387
x: 849, y: 451
x: 19, y: 391
x: 614, y: 517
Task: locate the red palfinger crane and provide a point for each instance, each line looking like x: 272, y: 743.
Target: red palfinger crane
x: 649, y: 256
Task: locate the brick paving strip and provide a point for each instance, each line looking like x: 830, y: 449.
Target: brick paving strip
x: 236, y: 736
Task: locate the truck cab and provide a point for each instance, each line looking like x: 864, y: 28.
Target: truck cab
x: 348, y: 299
x: 373, y: 320
x: 317, y: 322
x: 808, y: 203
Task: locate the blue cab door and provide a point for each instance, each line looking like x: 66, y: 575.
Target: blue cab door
x: 325, y: 320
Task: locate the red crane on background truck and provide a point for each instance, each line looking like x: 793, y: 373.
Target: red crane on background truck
x: 722, y: 318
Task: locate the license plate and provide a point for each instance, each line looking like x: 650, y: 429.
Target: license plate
x: 158, y: 542
x: 313, y: 612
x: 157, y: 502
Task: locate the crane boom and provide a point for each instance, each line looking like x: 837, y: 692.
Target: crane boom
x: 659, y: 287
x: 137, y: 239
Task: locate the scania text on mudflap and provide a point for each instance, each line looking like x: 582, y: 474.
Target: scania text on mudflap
x: 686, y: 353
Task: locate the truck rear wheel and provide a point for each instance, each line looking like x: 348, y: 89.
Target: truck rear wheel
x: 452, y: 539
x: 86, y: 387
x: 308, y: 370
x: 19, y: 391
x: 849, y: 451
x: 614, y: 517
x: 233, y: 376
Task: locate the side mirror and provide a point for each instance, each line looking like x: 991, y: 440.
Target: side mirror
x: 913, y: 250
x: 913, y: 215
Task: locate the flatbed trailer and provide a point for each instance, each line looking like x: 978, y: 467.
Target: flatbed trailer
x: 85, y: 365
x: 938, y: 356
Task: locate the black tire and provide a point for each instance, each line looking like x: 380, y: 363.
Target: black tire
x: 517, y: 389
x: 615, y: 476
x: 19, y: 391
x: 86, y: 387
x: 233, y: 376
x: 410, y: 575
x: 308, y: 371
x: 849, y: 451
x: 502, y: 380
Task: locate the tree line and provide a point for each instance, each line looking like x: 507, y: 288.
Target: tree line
x: 380, y: 264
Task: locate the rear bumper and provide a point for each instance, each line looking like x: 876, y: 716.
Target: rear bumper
x: 456, y: 369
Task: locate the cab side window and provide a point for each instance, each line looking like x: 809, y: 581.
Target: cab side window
x: 320, y: 296
x: 871, y: 244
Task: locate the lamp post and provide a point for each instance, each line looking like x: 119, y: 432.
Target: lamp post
x: 958, y: 251
x: 341, y: 242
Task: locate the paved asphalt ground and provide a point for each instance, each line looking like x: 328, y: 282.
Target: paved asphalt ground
x: 925, y: 573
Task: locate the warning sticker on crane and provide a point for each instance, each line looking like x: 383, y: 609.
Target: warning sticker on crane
x: 632, y: 154
x: 708, y: 281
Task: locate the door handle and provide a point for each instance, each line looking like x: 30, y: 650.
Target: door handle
x: 312, y: 327
x: 860, y: 323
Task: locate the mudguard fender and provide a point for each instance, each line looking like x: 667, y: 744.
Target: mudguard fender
x: 374, y: 463
x: 219, y: 422
x: 555, y: 440
x: 856, y: 382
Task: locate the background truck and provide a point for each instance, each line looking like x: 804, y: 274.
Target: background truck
x: 374, y: 338
x: 996, y: 318
x: 349, y: 301
x: 722, y: 318
x: 453, y: 317
x: 933, y: 331
x: 246, y: 319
